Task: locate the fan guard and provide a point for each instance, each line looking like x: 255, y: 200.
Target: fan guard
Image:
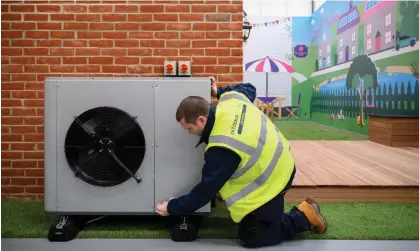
x: 105, y: 146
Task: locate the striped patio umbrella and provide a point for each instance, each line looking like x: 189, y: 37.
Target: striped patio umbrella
x: 269, y: 64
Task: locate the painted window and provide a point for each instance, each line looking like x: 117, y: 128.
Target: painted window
x: 388, y: 19
x: 320, y: 52
x: 328, y: 49
x: 353, y: 36
x: 353, y: 50
x: 370, y: 4
x: 324, y: 36
x: 328, y: 60
x: 341, y: 42
x: 369, y: 44
x: 341, y: 55
x: 343, y: 21
x: 352, y: 16
x: 388, y: 37
x: 369, y: 29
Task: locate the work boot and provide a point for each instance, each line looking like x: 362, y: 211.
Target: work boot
x: 312, y: 211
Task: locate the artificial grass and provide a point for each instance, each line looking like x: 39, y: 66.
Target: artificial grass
x: 361, y: 221
x: 295, y: 130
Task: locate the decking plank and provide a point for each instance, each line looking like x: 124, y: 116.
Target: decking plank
x: 354, y: 163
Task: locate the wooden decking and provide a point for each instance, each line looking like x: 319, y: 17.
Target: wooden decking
x: 354, y: 171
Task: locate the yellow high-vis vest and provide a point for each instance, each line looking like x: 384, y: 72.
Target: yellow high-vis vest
x: 266, y: 164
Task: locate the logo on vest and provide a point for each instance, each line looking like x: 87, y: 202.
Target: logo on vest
x: 236, y: 121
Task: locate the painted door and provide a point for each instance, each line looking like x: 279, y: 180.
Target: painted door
x: 347, y: 54
x: 324, y: 63
x: 378, y: 44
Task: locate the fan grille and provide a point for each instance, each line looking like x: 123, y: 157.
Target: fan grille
x: 104, y: 146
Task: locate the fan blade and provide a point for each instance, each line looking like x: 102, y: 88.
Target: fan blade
x: 125, y: 167
x: 87, y: 163
x: 92, y: 134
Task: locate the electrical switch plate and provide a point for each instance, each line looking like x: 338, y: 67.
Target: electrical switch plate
x: 184, y: 68
x: 170, y: 68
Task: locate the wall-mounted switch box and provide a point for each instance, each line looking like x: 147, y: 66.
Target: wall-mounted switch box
x: 184, y: 68
x: 170, y: 68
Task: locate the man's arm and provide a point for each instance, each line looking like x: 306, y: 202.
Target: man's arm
x: 245, y: 88
x: 220, y: 164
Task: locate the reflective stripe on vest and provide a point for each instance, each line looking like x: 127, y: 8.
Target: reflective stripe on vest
x: 252, y: 151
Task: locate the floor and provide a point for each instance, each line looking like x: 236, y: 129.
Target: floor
x: 356, y: 169
x: 203, y: 245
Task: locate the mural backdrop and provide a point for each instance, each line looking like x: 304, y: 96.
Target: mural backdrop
x: 360, y: 58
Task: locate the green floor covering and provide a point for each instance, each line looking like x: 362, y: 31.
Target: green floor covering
x: 26, y: 219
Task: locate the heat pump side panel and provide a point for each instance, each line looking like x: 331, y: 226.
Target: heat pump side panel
x: 178, y: 163
x: 134, y: 96
x: 50, y: 145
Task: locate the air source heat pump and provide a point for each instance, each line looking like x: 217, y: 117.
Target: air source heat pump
x: 113, y: 145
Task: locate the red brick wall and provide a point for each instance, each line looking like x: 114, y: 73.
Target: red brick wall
x: 99, y: 38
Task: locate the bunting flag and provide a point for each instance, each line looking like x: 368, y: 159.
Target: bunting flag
x: 284, y: 20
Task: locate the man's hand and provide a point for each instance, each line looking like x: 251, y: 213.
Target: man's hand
x: 213, y: 87
x: 162, y: 208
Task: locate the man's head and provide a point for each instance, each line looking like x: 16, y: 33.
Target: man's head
x: 192, y: 114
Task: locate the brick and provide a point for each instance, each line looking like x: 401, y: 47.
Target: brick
x: 153, y: 26
x: 126, y: 8
x: 34, y: 172
x: 88, y: 68
x: 32, y: 155
x: 9, y: 172
x: 62, y: 68
x: 11, y: 138
x: 89, y: 34
x: 166, y: 35
x: 127, y: 60
x: 230, y: 26
x: 36, y: 68
x: 36, y: 34
x: 23, y: 111
x: 204, y: 26
x: 191, y: 17
x: 101, y: 43
x: 204, y: 8
x: 217, y: 52
x: 166, y: 17
x: 34, y: 189
x: 140, y: 69
x: 231, y: 8
x: 49, y: 26
x: 61, y: 52
x: 49, y: 43
x: 115, y: 35
x: 217, y: 34
x: 33, y: 103
x: 218, y: 17
x: 35, y: 17
x: 12, y: 34
x: 230, y: 60
x: 76, y: 26
x: 101, y: 60
x: 11, y: 51
x: 11, y: 17
x: 178, y: 43
x: 75, y: 43
x: 48, y: 8
x: 23, y: 77
x: 139, y: 17
x: 177, y: 8
x: 127, y: 26
x: 179, y: 26
x: 114, y: 69
x: 6, y: 94
x: 193, y: 35
x: 88, y: 17
x: 101, y: 26
x: 34, y: 137
x: 100, y: 8
x: 192, y: 52
x: 24, y: 94
x: 114, y: 17
x: 10, y: 103
x: 63, y: 34
x: 153, y: 60
x: 12, y: 120
x: 114, y: 52
x: 22, y: 146
x: 22, y: 8
x: 166, y: 52
x: 12, y: 68
x: 152, y: 8
x: 74, y: 8
x: 204, y: 43
x: 62, y: 17
x: 140, y: 34
x: 230, y: 43
x: 127, y: 43
x: 23, y: 181
x: 12, y: 189
x: 237, y: 52
x: 34, y: 85
x: 152, y: 43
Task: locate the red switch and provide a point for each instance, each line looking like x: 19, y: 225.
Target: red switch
x: 169, y: 68
x: 184, y: 68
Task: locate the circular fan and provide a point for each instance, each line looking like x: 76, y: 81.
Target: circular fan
x: 105, y: 146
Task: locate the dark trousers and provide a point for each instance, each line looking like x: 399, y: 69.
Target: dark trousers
x: 270, y: 225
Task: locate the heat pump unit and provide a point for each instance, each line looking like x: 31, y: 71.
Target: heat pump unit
x: 113, y: 145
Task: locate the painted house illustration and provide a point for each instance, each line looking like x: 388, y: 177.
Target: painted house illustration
x: 379, y: 20
x: 324, y: 46
x: 347, y: 34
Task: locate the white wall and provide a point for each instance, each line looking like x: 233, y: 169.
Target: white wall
x: 272, y: 41
x: 318, y: 3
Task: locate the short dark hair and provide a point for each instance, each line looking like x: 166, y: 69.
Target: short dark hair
x: 191, y: 108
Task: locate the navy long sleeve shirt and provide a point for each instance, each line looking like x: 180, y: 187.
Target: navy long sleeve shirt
x: 220, y: 163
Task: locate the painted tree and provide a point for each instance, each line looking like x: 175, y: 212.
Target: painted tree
x: 362, y: 74
x: 409, y: 18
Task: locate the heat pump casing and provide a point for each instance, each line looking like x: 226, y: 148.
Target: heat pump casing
x: 172, y: 163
